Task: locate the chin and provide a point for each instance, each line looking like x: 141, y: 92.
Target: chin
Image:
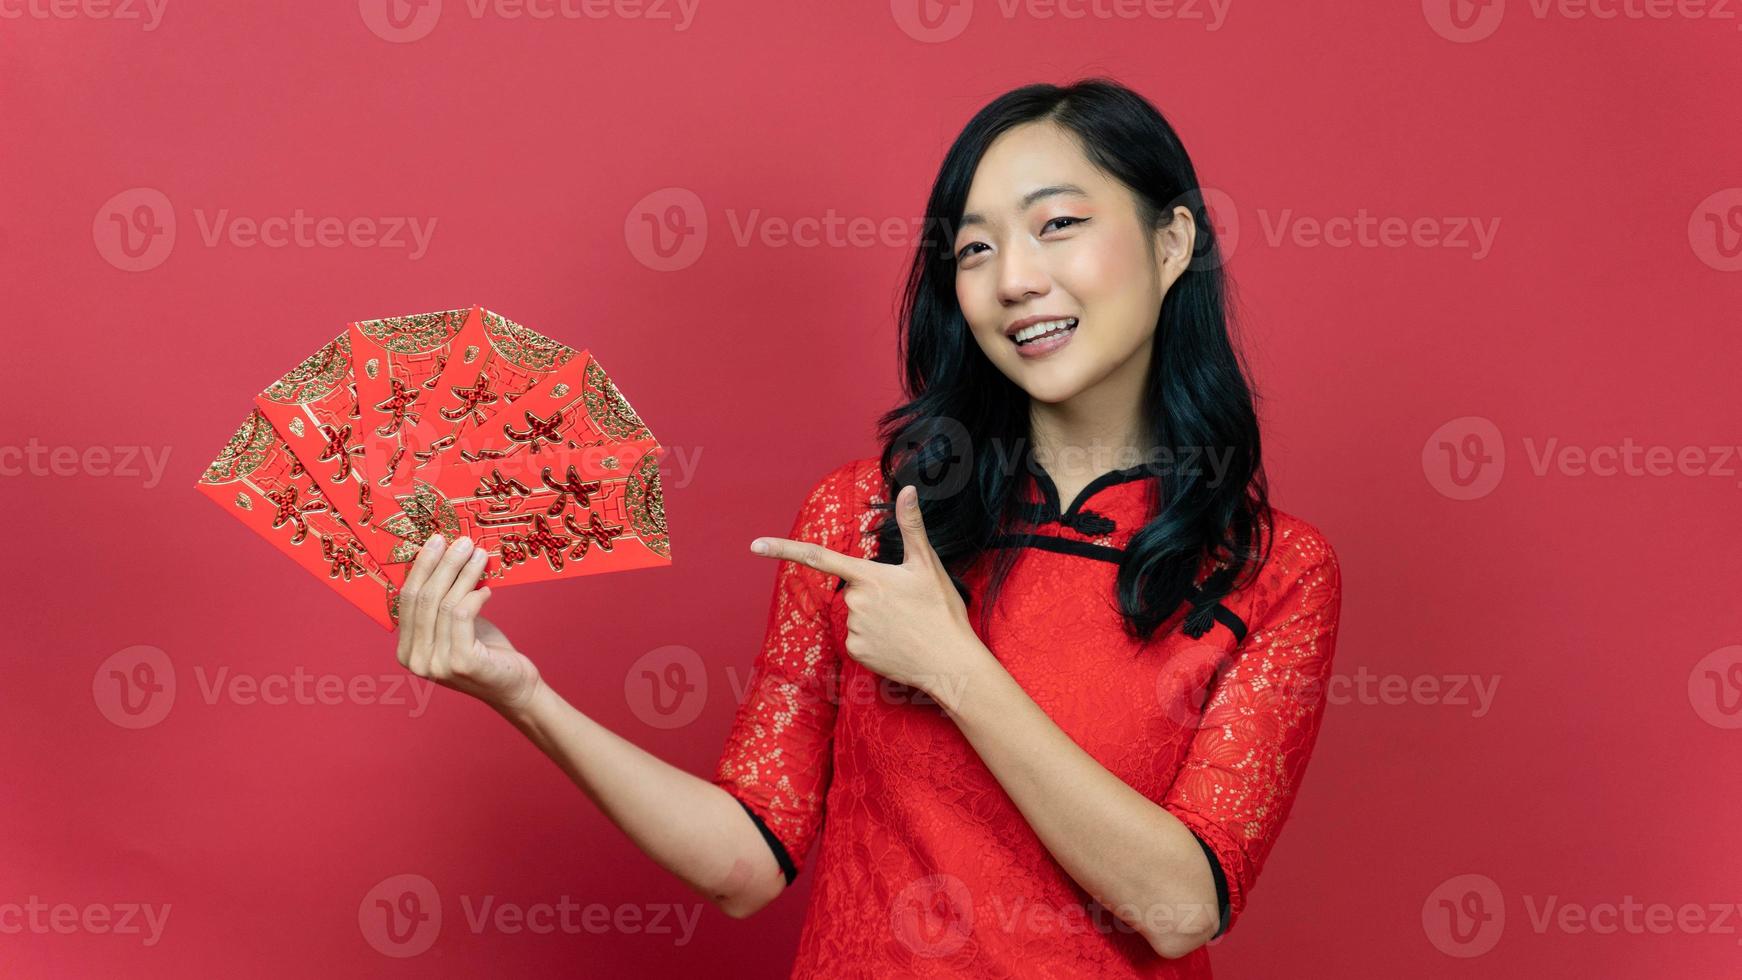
x: 1045, y: 385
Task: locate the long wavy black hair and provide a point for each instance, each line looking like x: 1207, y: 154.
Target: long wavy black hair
x: 965, y: 421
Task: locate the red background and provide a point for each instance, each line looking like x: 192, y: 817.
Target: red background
x: 1604, y: 311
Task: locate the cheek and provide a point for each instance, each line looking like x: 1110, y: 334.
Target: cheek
x: 1101, y: 270
x: 981, y: 309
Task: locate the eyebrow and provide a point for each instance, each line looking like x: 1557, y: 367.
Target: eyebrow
x: 975, y: 218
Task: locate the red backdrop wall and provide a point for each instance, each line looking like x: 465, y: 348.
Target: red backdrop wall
x: 1489, y: 268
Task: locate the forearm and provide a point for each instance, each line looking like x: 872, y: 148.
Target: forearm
x: 686, y: 824
x: 1135, y: 858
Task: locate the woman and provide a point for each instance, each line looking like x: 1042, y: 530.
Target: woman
x: 1046, y: 708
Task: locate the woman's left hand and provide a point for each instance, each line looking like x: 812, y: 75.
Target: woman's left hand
x: 905, y: 622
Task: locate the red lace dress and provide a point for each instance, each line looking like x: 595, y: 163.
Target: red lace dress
x: 926, y: 867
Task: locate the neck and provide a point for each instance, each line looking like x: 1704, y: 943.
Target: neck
x: 1100, y: 429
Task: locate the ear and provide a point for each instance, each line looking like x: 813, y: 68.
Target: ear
x: 1174, y: 245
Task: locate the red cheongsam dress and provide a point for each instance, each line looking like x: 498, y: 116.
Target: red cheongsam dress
x: 926, y: 868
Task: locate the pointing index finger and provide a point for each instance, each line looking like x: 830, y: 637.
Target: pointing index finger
x: 815, y: 556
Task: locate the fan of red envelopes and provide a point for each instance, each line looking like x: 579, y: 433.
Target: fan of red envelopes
x: 454, y: 423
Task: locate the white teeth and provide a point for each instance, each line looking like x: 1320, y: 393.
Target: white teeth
x: 1035, y: 330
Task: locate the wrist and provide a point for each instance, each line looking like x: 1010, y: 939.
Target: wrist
x: 972, y: 672
x: 527, y: 711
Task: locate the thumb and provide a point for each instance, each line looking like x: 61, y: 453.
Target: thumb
x: 916, y: 547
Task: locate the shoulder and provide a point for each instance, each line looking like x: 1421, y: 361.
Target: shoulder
x: 1300, y: 570
x: 850, y: 480
x: 841, y: 508
x: 1297, y: 546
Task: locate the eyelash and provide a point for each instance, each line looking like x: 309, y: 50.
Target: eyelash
x: 1074, y: 221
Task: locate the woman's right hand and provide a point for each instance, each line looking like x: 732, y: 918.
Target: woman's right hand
x: 441, y: 636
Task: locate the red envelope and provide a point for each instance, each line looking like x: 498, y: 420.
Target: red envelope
x: 492, y: 361
x: 397, y: 364
x: 458, y: 422
x: 314, y: 408
x: 259, y: 480
x: 580, y: 512
x: 577, y: 402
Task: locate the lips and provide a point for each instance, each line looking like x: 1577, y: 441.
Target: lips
x: 1045, y: 344
x: 1029, y: 321
x: 1044, y: 331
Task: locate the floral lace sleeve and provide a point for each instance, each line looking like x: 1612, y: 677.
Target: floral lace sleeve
x: 1245, y: 764
x: 777, y: 758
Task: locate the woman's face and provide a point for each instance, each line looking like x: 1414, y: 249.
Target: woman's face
x: 1046, y: 234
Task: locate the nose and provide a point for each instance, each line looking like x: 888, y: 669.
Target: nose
x: 1021, y: 273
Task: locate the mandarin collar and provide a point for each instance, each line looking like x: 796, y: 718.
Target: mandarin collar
x: 1118, y: 497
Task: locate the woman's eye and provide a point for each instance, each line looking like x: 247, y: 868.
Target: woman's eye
x: 966, y: 249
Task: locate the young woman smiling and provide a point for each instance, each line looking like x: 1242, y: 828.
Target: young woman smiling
x: 1045, y: 674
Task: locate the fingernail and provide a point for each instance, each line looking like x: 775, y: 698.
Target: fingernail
x: 434, y: 543
x: 479, y: 556
x: 464, y: 544
x: 759, y: 546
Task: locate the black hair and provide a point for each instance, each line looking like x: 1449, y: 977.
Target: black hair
x: 965, y: 421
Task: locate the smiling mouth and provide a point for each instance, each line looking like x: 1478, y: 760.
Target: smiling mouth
x: 1044, y: 332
